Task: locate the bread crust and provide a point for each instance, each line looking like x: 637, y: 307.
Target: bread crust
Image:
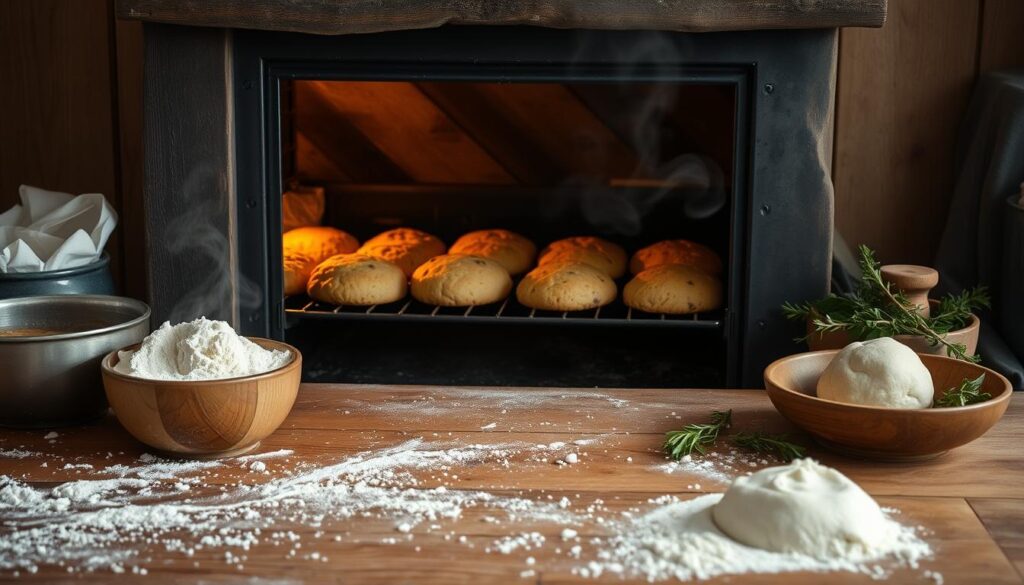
x: 511, y: 250
x: 357, y: 279
x: 682, y: 252
x: 566, y: 286
x: 606, y: 256
x: 673, y: 289
x: 460, y: 280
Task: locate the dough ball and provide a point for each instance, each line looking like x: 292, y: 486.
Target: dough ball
x: 803, y: 507
x: 878, y: 372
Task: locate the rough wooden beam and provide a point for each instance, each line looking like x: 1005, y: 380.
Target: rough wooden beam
x: 340, y: 17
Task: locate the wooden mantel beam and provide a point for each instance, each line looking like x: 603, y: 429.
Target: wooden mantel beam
x: 333, y: 17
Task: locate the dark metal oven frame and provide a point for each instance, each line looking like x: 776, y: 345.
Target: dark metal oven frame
x: 781, y: 225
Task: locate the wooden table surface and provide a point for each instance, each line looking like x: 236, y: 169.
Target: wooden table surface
x: 970, y: 502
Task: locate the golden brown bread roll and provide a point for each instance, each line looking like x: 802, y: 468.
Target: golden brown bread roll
x: 297, y: 268
x: 601, y: 254
x: 460, y: 280
x: 355, y: 279
x: 406, y: 247
x: 566, y: 286
x: 509, y: 249
x: 683, y: 252
x: 319, y: 242
x: 673, y: 289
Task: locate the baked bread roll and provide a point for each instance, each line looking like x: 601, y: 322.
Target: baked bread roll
x: 319, y: 242
x: 673, y: 289
x: 601, y: 254
x: 682, y: 252
x: 405, y: 247
x: 297, y: 268
x: 509, y: 249
x: 563, y: 286
x: 355, y: 279
x: 460, y: 280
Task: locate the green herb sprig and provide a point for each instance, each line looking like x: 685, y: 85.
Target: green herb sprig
x: 968, y: 392
x: 694, y: 437
x: 876, y: 310
x: 761, y: 442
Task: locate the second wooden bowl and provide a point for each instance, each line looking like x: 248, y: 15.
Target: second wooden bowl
x: 208, y: 418
x: 885, y: 433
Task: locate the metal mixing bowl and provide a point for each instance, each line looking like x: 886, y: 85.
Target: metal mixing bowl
x: 54, y: 379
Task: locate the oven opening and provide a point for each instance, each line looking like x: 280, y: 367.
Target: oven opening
x: 630, y: 162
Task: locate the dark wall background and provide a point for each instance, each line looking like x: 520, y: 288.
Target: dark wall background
x: 70, y: 114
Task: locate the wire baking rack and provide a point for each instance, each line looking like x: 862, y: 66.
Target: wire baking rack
x: 509, y: 311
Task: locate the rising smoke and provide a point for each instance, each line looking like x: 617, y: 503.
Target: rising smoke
x: 195, y: 238
x: 695, y: 179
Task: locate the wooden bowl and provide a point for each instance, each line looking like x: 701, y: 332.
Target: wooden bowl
x: 839, y: 339
x: 208, y: 418
x: 885, y: 433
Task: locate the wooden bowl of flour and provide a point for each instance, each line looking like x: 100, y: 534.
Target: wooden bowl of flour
x: 205, y: 418
x: 885, y: 433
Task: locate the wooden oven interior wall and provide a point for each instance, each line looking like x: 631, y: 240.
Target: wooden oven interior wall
x: 449, y: 157
x: 540, y: 158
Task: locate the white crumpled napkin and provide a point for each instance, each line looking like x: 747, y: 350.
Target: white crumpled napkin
x: 52, y: 231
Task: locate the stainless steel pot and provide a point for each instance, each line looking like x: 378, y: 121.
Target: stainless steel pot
x: 53, y: 378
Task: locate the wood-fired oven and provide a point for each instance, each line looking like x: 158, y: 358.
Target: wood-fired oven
x: 632, y: 135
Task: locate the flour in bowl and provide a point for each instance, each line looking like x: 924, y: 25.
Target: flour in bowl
x: 198, y: 350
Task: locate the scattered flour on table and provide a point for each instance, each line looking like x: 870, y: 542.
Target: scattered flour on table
x: 720, y: 467
x: 198, y: 350
x: 119, y: 520
x: 18, y: 453
x: 110, y: 523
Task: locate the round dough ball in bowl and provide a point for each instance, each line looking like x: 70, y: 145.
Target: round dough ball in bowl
x: 355, y: 279
x: 460, y: 280
x: 878, y: 372
x: 806, y: 508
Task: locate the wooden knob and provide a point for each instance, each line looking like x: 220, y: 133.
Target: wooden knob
x: 914, y: 282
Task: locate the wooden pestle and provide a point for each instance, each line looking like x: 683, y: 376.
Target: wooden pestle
x: 915, y: 282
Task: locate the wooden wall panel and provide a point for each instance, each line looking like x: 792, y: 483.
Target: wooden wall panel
x: 1002, y: 35
x: 57, y: 127
x: 901, y: 93
x: 128, y: 49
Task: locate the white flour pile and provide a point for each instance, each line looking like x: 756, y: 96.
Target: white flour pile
x: 198, y: 350
x: 679, y: 540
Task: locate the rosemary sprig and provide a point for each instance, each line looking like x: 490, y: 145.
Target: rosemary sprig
x: 876, y: 310
x: 761, y: 442
x: 694, y: 437
x: 968, y: 392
